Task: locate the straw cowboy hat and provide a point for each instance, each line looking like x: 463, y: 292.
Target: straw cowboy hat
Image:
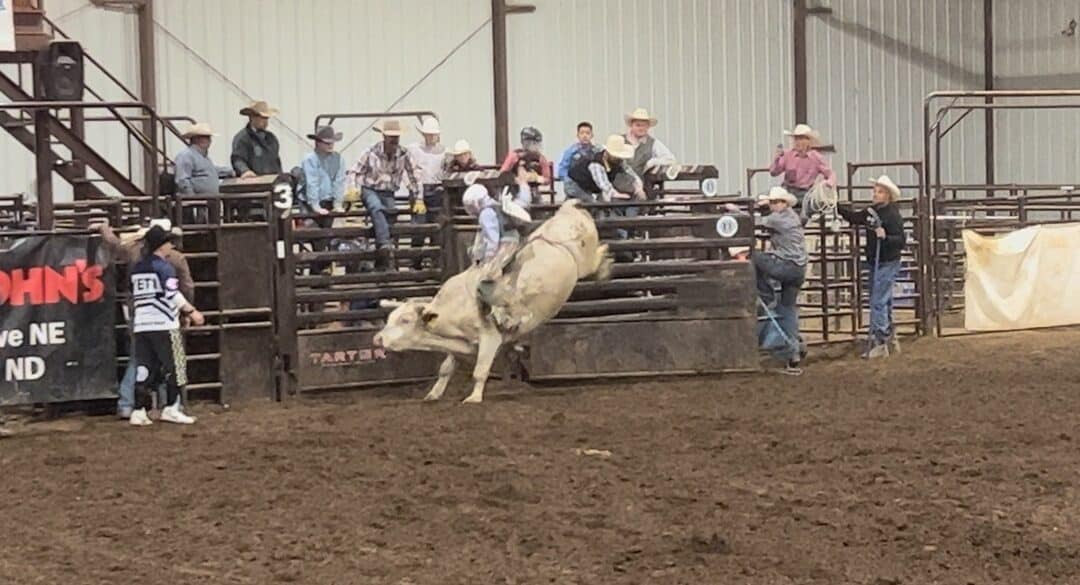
x: 460, y: 147
x: 640, y: 114
x: 390, y: 128
x: 889, y: 185
x: 430, y: 126
x: 616, y: 146
x: 779, y: 193
x: 325, y: 134
x: 260, y: 109
x: 802, y: 130
x: 199, y: 129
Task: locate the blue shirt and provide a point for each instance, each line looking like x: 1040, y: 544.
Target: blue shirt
x: 324, y: 179
x: 572, y: 155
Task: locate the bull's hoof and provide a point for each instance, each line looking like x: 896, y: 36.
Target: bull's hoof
x: 473, y: 400
x: 431, y: 397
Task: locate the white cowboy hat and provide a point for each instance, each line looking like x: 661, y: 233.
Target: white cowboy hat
x: 390, y: 128
x: 801, y: 130
x: 640, y: 114
x: 779, y: 193
x: 163, y: 223
x: 199, y: 129
x: 512, y: 209
x: 430, y: 126
x: 616, y: 146
x: 460, y: 147
x: 259, y: 108
x: 890, y: 186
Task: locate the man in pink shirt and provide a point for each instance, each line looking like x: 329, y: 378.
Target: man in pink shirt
x: 801, y: 165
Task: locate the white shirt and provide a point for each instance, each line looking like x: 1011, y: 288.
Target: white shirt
x: 429, y: 162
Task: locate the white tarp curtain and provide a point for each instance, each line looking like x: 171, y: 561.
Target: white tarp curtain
x: 1023, y: 279
x: 7, y: 26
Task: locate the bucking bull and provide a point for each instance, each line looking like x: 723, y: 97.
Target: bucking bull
x: 474, y: 316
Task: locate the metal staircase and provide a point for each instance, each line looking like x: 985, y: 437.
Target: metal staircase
x: 67, y: 151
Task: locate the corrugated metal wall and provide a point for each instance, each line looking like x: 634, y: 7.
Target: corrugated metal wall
x: 872, y: 62
x: 1032, y: 53
x: 717, y: 73
x: 323, y: 56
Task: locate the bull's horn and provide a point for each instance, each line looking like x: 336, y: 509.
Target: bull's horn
x: 389, y: 304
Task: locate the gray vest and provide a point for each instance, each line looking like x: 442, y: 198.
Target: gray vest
x: 642, y: 154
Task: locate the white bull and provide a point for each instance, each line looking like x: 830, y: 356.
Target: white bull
x: 531, y: 290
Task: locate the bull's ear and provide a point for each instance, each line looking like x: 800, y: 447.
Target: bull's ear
x: 389, y: 304
x: 428, y: 316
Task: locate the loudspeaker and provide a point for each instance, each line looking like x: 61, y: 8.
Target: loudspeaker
x: 59, y: 72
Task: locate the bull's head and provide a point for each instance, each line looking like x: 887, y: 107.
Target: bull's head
x: 405, y: 328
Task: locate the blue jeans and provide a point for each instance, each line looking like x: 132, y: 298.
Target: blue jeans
x: 381, y: 207
x: 127, y: 389
x: 881, y: 299
x: 768, y: 268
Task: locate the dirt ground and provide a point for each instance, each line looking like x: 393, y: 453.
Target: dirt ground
x: 956, y: 463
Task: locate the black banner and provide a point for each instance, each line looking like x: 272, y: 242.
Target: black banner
x: 57, y: 312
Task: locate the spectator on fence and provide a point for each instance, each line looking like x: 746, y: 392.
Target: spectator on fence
x: 323, y: 189
x: 583, y: 148
x: 429, y: 156
x: 801, y: 165
x: 596, y: 176
x: 784, y: 263
x: 885, y: 241
x: 532, y: 152
x: 158, y: 347
x: 255, y: 149
x: 380, y: 172
x: 460, y: 159
x: 649, y: 152
x: 196, y: 174
x: 128, y: 250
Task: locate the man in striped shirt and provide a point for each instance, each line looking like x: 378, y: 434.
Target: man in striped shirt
x: 158, y: 348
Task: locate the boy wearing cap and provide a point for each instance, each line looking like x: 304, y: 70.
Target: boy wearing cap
x: 531, y: 151
x: 885, y: 241
x: 801, y: 165
x: 158, y: 347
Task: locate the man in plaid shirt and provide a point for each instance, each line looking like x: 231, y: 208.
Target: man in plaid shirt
x: 379, y: 174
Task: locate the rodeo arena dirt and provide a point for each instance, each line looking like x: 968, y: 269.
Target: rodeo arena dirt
x: 272, y: 359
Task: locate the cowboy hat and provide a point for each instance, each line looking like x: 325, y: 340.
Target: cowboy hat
x: 781, y: 194
x: 640, y: 114
x: 430, y: 125
x: 390, y: 128
x: 460, y: 147
x: 163, y: 223
x: 889, y: 185
x: 260, y: 109
x: 157, y: 237
x: 616, y: 146
x: 325, y: 134
x: 801, y: 130
x: 198, y: 129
